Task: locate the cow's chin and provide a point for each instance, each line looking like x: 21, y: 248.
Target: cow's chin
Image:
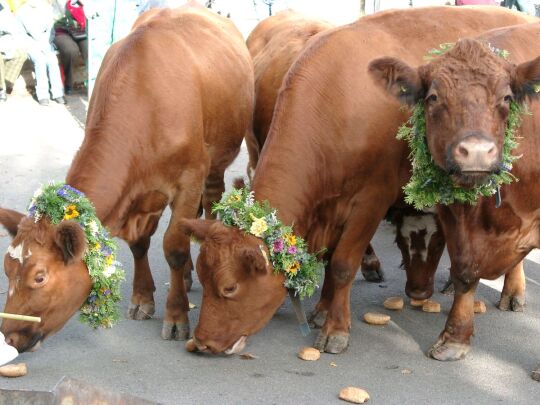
x: 470, y: 179
x: 237, y: 347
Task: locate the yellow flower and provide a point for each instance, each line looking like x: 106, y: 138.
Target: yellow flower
x: 71, y: 212
x: 258, y: 226
x: 293, y: 268
x: 233, y: 199
x: 290, y: 239
x: 109, y: 260
x: 97, y: 246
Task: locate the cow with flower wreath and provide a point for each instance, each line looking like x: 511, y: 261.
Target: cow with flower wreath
x: 171, y: 105
x: 330, y: 169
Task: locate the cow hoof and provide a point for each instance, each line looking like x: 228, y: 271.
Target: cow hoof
x: 448, y: 288
x: 449, y: 351
x: 188, y: 281
x: 175, y: 331
x: 372, y: 271
x: 141, y: 312
x: 331, y: 344
x: 511, y: 303
x: 317, y: 319
x: 337, y: 344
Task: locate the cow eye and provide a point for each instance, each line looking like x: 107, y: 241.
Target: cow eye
x: 229, y: 290
x: 40, y: 279
x: 508, y: 98
x: 431, y: 98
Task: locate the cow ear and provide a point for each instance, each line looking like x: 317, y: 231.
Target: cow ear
x: 197, y: 228
x: 10, y: 220
x: 526, y: 82
x: 397, y: 78
x: 71, y: 240
x: 255, y: 259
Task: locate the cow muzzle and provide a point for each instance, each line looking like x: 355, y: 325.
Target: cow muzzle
x: 235, y: 348
x: 473, y: 159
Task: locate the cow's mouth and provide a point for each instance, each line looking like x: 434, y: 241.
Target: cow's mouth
x: 472, y: 178
x: 237, y: 347
x: 33, y: 344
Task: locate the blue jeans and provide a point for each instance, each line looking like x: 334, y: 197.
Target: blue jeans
x: 47, y: 73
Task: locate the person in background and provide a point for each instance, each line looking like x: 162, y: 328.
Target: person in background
x: 12, y: 49
x: 37, y: 18
x: 71, y: 39
x: 525, y: 6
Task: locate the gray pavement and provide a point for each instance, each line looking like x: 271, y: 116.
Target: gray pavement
x: 37, y: 145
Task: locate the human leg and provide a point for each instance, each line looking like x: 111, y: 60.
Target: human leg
x: 68, y: 52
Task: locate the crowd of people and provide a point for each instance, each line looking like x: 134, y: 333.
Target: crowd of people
x: 42, y: 30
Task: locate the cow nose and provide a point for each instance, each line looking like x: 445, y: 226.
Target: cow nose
x: 476, y: 154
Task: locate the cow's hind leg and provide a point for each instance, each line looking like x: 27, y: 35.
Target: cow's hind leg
x: 371, y: 266
x: 513, y: 293
x: 176, y: 246
x: 454, y: 341
x: 142, y: 300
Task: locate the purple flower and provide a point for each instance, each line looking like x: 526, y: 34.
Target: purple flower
x: 92, y: 298
x: 63, y: 192
x: 292, y: 250
x: 106, y: 292
x: 74, y: 190
x: 278, y: 246
x: 107, y: 251
x: 32, y: 210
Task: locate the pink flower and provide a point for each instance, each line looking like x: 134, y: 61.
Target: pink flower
x: 278, y: 246
x: 292, y: 250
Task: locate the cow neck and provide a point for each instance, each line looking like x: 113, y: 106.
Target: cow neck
x: 102, y: 174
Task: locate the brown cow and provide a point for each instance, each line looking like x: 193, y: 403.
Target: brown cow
x: 274, y: 44
x: 331, y: 165
x: 172, y: 103
x: 466, y: 95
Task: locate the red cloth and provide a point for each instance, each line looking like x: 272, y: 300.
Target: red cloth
x: 78, y: 13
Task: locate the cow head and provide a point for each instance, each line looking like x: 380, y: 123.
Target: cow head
x: 241, y: 292
x: 466, y: 94
x: 47, y: 277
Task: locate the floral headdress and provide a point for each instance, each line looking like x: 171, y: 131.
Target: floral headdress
x: 288, y: 252
x: 59, y: 202
x: 429, y: 184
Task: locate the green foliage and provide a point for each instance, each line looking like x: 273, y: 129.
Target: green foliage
x: 288, y: 253
x: 59, y: 202
x: 430, y: 185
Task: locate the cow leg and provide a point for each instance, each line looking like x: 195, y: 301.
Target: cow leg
x: 344, y: 263
x: 454, y: 341
x: 176, y: 246
x: 142, y: 299
x: 371, y: 266
x: 513, y: 293
x: 214, y: 185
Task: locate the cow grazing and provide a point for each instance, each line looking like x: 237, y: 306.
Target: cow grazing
x: 331, y: 166
x: 467, y: 94
x: 171, y: 105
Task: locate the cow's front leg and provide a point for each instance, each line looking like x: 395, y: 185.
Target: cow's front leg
x: 176, y: 246
x: 454, y: 341
x: 371, y: 266
x: 513, y: 293
x: 142, y: 299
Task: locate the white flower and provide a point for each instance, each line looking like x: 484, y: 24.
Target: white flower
x: 38, y: 192
x: 109, y: 271
x: 93, y: 227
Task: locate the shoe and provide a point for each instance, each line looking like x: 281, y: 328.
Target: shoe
x: 68, y: 90
x: 3, y: 96
x: 43, y: 102
x: 60, y: 100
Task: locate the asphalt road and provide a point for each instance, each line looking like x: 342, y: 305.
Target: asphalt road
x: 37, y: 145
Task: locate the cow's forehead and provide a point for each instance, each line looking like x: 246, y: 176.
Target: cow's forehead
x: 19, y: 251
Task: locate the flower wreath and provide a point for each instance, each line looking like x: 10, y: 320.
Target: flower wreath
x: 288, y: 253
x: 429, y: 184
x: 59, y: 202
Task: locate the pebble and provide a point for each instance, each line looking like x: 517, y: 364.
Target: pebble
x: 479, y: 307
x: 394, y: 303
x: 431, y: 306
x: 309, y: 354
x: 536, y: 375
x: 376, y: 319
x: 13, y: 370
x: 354, y: 395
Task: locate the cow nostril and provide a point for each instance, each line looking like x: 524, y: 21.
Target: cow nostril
x: 462, y: 151
x: 492, y: 151
x: 10, y: 341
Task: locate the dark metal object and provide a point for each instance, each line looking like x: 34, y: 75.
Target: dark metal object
x: 72, y: 392
x: 300, y: 313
